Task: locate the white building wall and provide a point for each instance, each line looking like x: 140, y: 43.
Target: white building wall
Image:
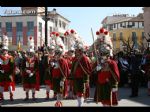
x: 40, y: 36
x: 41, y: 40
x: 50, y: 24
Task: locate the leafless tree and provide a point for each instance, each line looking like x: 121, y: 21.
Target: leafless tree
x: 128, y: 43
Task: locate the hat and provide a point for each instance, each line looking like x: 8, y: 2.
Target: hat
x: 52, y: 47
x: 5, y: 42
x: 54, y: 34
x: 79, y: 46
x: 52, y: 44
x: 59, y: 50
x: 30, y: 44
x: 5, y: 48
x: 59, y: 45
x: 105, y: 43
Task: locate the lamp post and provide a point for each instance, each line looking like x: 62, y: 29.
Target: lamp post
x: 45, y: 26
x: 53, y: 12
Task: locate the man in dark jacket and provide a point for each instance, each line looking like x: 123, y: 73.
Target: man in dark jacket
x: 135, y: 61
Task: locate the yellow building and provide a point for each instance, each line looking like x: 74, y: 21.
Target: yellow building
x: 124, y: 28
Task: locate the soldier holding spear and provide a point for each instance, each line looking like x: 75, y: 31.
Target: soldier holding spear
x: 108, y: 74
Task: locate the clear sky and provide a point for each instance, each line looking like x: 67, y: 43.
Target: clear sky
x: 84, y: 18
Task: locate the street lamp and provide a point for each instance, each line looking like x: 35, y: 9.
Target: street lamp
x: 45, y: 26
x: 53, y: 12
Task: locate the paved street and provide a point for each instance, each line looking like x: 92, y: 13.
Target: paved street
x: 142, y: 101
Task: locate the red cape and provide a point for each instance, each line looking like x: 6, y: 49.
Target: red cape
x: 114, y: 68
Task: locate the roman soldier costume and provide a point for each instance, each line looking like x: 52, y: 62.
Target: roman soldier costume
x: 70, y: 58
x: 80, y: 73
x: 108, y: 73
x: 60, y: 70
x: 6, y: 71
x: 30, y: 71
x: 49, y: 64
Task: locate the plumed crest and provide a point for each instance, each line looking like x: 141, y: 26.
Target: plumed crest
x: 60, y: 45
x: 79, y: 45
x: 30, y: 44
x: 105, y: 40
x: 5, y: 42
x: 101, y: 30
x: 54, y: 34
x: 66, y: 33
x: 97, y: 33
x: 52, y: 44
x: 72, y: 31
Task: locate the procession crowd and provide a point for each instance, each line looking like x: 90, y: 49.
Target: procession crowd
x: 71, y: 74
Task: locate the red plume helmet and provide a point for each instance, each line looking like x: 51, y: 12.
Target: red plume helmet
x: 61, y: 46
x: 53, y: 33
x: 97, y: 33
x: 57, y: 34
x: 72, y: 31
x: 101, y: 30
x: 65, y: 34
x: 30, y: 38
x: 106, y: 32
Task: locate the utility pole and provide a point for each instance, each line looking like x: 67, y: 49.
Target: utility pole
x: 46, y: 26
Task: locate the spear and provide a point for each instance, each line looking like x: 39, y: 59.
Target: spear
x: 95, y: 47
x: 97, y: 60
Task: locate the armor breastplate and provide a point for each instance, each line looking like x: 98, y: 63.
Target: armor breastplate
x: 55, y: 65
x: 30, y: 64
x: 5, y: 62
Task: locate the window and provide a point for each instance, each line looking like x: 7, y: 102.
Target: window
x: 124, y: 25
x: 40, y: 27
x: 134, y: 39
x: 120, y: 24
x: 51, y: 29
x: 19, y: 33
x: 19, y: 38
x: 19, y: 26
x: 114, y: 25
x: 133, y: 36
x: 30, y: 28
x: 110, y: 27
x: 142, y: 23
x: 8, y: 27
x: 133, y: 23
x: 143, y: 35
x: 56, y: 23
x: 121, y: 36
x: 64, y: 25
x: 114, y: 36
x: 0, y: 25
x: 59, y: 23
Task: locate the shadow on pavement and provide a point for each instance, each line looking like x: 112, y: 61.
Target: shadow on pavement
x: 142, y: 98
x: 21, y: 101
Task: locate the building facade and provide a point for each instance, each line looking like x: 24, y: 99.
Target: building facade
x: 125, y: 28
x: 146, y: 11
x: 21, y: 27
